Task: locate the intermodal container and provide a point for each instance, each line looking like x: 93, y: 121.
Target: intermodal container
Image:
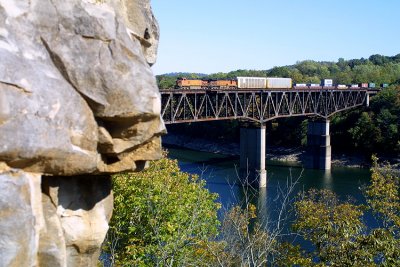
x: 327, y: 82
x: 252, y: 82
x: 279, y: 83
x: 384, y: 85
x: 363, y: 85
x: 371, y: 85
x: 342, y: 86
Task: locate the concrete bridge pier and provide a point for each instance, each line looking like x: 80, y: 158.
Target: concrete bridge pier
x: 318, y: 153
x: 252, y: 154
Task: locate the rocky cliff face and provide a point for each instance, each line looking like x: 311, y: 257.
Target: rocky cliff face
x: 77, y: 100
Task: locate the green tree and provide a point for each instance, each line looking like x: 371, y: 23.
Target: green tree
x: 387, y: 99
x: 384, y: 196
x: 162, y: 217
x: 279, y: 72
x: 388, y: 123
x: 366, y: 73
x: 331, y: 226
x: 342, y: 64
x: 344, y: 76
x: 337, y: 230
x: 372, y: 130
x: 308, y: 67
x: 365, y: 134
x: 296, y: 75
x: 166, y: 82
x: 378, y: 59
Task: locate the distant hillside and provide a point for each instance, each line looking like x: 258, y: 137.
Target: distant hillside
x: 376, y: 68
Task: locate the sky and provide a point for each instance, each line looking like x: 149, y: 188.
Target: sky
x: 210, y: 36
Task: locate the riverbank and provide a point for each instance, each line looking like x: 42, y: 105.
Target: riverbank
x: 276, y: 154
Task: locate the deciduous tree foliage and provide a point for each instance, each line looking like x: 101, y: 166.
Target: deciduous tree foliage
x: 377, y: 129
x: 337, y: 229
x: 162, y: 217
x: 243, y: 240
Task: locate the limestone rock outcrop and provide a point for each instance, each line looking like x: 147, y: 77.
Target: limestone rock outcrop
x: 77, y: 211
x: 78, y: 101
x: 76, y: 86
x: 20, y: 217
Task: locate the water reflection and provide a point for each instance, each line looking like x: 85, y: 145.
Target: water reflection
x: 222, y: 176
x: 262, y: 204
x: 327, y: 180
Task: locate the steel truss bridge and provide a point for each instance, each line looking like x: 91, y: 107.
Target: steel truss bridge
x: 182, y: 106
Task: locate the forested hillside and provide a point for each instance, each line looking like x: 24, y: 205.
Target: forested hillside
x: 375, y: 129
x: 377, y: 68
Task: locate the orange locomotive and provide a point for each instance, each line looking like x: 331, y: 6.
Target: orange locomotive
x: 185, y: 83
x: 222, y: 84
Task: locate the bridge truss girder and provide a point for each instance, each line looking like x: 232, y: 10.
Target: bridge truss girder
x: 181, y: 106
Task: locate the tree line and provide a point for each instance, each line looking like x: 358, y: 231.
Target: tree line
x: 376, y: 69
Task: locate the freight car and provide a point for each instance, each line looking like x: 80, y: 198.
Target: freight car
x: 279, y: 83
x: 327, y: 82
x: 252, y: 82
x: 363, y: 85
x: 264, y: 83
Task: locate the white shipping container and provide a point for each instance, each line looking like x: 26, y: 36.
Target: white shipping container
x: 279, y: 83
x: 314, y: 85
x: 252, y: 82
x: 301, y: 85
x: 341, y: 86
x: 327, y: 82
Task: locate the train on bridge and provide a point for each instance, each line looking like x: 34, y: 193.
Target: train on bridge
x: 263, y: 83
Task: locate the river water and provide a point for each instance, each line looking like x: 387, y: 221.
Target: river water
x: 221, y: 174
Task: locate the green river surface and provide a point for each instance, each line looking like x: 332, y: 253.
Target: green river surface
x: 220, y: 173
